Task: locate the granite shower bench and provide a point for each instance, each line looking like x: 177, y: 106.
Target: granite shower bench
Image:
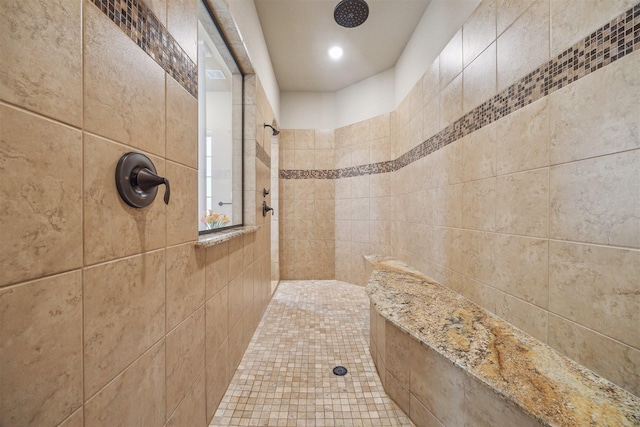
x: 447, y: 362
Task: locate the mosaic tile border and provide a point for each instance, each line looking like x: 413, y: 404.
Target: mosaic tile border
x: 262, y: 155
x: 613, y: 41
x: 138, y: 22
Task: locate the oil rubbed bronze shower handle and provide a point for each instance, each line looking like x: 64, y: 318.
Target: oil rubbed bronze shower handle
x: 146, y: 180
x: 137, y: 180
x: 266, y: 208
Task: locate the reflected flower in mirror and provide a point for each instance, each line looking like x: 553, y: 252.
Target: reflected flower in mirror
x: 214, y: 220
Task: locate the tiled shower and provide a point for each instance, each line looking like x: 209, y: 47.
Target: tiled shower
x: 510, y: 173
x: 511, y: 178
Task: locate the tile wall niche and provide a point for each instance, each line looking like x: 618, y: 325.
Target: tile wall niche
x: 111, y: 315
x: 530, y: 209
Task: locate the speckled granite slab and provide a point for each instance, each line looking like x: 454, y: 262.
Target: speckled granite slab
x: 212, y: 239
x: 539, y: 380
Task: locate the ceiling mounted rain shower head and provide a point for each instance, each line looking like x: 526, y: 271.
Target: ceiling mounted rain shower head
x: 275, y: 131
x: 351, y: 13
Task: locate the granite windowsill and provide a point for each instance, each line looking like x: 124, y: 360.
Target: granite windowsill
x: 212, y: 239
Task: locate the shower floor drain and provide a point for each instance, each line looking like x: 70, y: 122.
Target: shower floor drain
x: 340, y: 370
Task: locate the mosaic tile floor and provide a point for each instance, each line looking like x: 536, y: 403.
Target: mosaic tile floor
x: 286, y: 378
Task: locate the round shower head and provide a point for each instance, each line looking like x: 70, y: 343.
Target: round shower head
x: 351, y: 13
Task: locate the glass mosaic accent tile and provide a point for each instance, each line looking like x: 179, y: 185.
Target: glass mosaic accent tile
x: 614, y: 40
x: 138, y: 22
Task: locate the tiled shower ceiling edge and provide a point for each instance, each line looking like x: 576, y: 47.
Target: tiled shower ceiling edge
x: 138, y: 22
x: 612, y: 41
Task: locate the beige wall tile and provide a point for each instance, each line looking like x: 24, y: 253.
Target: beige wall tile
x: 217, y: 268
x: 236, y: 301
x: 508, y: 11
x: 446, y: 166
x: 159, y: 9
x: 479, y: 154
x: 324, y: 159
x: 484, y: 408
x: 572, y: 20
x: 304, y: 139
x: 304, y: 159
x: 217, y: 378
x: 135, y: 397
x: 134, y: 114
x: 44, y: 73
x: 521, y: 268
x: 478, y: 292
x: 597, y: 287
x: 182, y: 128
x: 236, y: 346
x: 524, y: 139
x: 437, y: 384
x: 430, y: 83
x: 41, y: 213
x: 41, y: 350
x: 592, y: 201
x: 474, y: 253
x: 421, y: 415
x: 525, y: 45
x: 324, y: 139
x: 598, y: 114
x: 379, y: 127
x: 286, y: 139
x: 397, y: 391
x: 397, y: 353
x: 124, y: 314
x: 217, y: 322
x: 450, y: 60
x: 527, y: 317
x: 609, y: 358
x: 192, y: 411
x: 451, y: 98
x: 182, y: 210
x: 107, y: 218
x: 449, y: 206
x: 431, y: 118
x: 479, y: 204
x: 185, y: 357
x: 236, y: 249
x: 182, y: 23
x: 480, y: 79
x: 185, y: 282
x: 522, y: 203
x: 479, y: 31
x: 75, y: 420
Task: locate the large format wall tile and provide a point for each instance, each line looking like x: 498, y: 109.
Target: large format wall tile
x: 41, y: 50
x: 217, y: 268
x: 479, y: 205
x: 609, y: 358
x: 113, y: 229
x: 525, y: 45
x: 182, y: 23
x: 596, y: 200
x: 450, y: 60
x: 522, y: 203
x: 480, y: 79
x: 531, y: 319
x: 41, y: 351
x: 185, y: 357
x: 182, y: 134
x: 40, y: 197
x: 192, y: 411
x: 185, y: 282
x: 521, y: 268
x: 182, y: 211
x: 597, y: 287
x: 437, y: 384
x: 124, y: 89
x: 598, y: 114
x: 524, y: 139
x: 124, y: 314
x: 508, y: 11
x: 136, y: 397
x: 217, y: 322
x: 571, y: 20
x: 479, y: 31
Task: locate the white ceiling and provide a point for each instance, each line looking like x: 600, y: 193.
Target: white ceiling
x: 300, y: 32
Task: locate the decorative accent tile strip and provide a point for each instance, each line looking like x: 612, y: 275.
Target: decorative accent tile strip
x: 137, y: 21
x: 614, y: 40
x: 262, y: 155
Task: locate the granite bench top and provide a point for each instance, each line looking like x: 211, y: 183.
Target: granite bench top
x: 536, y: 378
